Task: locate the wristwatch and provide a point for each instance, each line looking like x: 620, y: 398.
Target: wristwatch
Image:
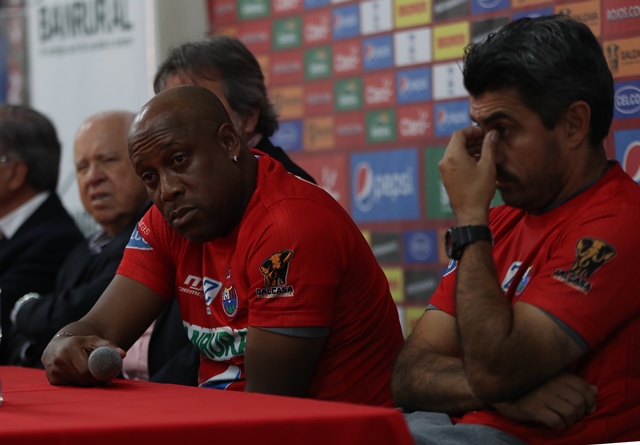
x: 458, y: 238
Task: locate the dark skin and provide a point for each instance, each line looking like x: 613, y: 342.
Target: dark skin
x: 182, y: 144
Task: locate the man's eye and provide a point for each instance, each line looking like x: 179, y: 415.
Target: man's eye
x: 178, y: 159
x: 147, y: 177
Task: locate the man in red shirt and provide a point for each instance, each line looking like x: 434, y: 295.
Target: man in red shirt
x: 277, y: 287
x: 534, y: 332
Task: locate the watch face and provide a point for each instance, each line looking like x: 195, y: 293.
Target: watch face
x: 450, y: 245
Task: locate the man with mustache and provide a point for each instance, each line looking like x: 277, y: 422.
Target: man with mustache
x: 327, y: 328
x: 534, y: 332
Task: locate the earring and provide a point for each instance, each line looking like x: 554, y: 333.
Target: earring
x: 235, y: 159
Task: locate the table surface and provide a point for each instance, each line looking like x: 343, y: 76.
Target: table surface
x: 34, y: 412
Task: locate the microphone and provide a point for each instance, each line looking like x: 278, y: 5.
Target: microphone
x: 105, y: 363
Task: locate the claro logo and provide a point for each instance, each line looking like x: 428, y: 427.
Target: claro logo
x: 627, y: 99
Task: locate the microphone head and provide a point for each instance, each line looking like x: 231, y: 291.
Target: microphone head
x: 105, y: 363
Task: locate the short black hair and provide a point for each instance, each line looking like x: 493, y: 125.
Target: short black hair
x: 552, y: 61
x: 227, y: 59
x: 30, y: 136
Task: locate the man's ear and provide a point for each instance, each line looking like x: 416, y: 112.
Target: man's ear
x: 577, y: 120
x: 229, y: 140
x: 250, y: 123
x: 18, y: 176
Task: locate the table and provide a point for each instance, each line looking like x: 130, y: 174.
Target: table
x: 140, y: 413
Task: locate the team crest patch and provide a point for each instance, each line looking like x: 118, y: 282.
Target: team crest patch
x: 275, y: 269
x: 211, y: 289
x: 230, y: 301
x: 591, y: 254
x: 137, y: 241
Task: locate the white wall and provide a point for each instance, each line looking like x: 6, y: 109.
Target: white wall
x: 87, y: 56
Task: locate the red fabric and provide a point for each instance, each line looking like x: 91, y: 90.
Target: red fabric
x: 331, y: 280
x: 134, y: 412
x: 602, y: 307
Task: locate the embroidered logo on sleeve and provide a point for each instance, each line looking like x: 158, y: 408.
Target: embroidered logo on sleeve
x: 591, y: 254
x: 275, y: 269
x: 137, y: 241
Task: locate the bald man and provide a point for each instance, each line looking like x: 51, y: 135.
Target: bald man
x: 277, y: 287
x: 116, y: 198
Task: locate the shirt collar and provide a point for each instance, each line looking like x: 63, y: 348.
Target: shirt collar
x: 9, y: 224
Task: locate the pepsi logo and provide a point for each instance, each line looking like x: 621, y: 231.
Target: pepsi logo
x: 631, y: 161
x: 363, y: 186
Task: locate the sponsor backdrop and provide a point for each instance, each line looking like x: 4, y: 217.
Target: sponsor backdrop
x: 369, y: 93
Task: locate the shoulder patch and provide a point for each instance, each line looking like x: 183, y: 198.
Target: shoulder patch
x: 591, y: 254
x: 137, y: 241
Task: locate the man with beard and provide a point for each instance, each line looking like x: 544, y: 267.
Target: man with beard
x: 534, y: 332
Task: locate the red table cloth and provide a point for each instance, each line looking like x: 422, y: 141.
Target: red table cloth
x: 131, y: 412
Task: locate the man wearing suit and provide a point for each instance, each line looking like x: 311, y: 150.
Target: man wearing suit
x: 37, y: 232
x: 116, y: 198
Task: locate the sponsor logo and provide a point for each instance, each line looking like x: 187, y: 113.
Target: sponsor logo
x: 419, y: 285
x: 450, y: 40
x: 317, y: 27
x: 287, y: 33
x: 350, y: 130
x: 318, y: 98
x: 378, y: 90
x: 377, y: 53
x: 384, y: 185
x: 275, y: 269
x: 318, y: 133
x: 137, y: 241
x: 511, y: 273
x: 381, y: 126
x: 414, y: 122
x: 376, y: 16
x: 627, y: 99
x: 421, y: 246
x: 448, y: 9
x: 211, y: 288
x: 386, y: 247
x: 482, y: 6
x: 310, y: 4
x: 533, y: 13
x: 623, y: 57
x: 413, y: 85
x: 249, y: 9
x: 585, y: 12
x: 412, y: 47
x: 289, y: 135
x: 317, y: 63
x: 451, y: 116
x: 627, y: 144
x: 218, y: 344
x: 348, y: 94
x: 286, y: 67
x: 591, y: 254
x: 192, y: 286
x: 448, y: 82
x: 222, y: 12
x: 412, y: 13
x: 288, y: 101
x: 346, y: 57
x: 230, y: 301
x: 285, y: 6
x: 346, y: 22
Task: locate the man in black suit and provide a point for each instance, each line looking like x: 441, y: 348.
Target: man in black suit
x: 37, y: 232
x: 116, y: 198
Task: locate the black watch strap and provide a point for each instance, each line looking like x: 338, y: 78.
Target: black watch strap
x: 458, y: 238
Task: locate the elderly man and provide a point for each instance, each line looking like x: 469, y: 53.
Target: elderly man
x: 36, y: 232
x: 116, y: 198
x: 326, y: 327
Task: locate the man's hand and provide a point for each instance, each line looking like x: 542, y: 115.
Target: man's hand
x: 469, y: 174
x: 557, y: 404
x: 65, y: 359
